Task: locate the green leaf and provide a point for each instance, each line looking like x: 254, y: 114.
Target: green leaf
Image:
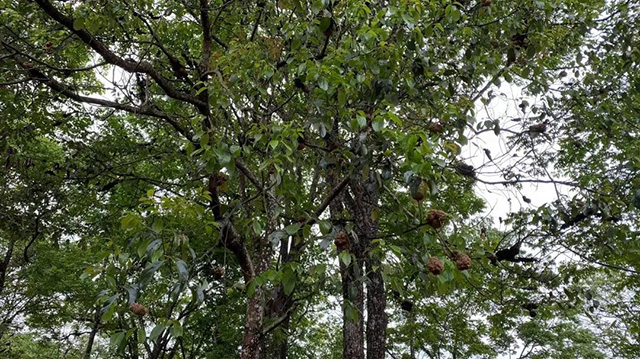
x: 325, y: 227
x: 148, y: 272
x: 157, y: 225
x: 257, y: 227
x: 288, y: 281
x: 350, y: 312
x: 117, y: 339
x: 345, y: 257
x: 452, y: 147
x: 142, y: 335
x: 176, y: 329
x: 362, y: 121
x: 78, y: 24
x: 342, y: 98
x: 293, y: 228
x: 157, y: 330
x: 323, y: 84
x: 377, y: 124
x: 325, y: 22
x: 251, y: 288
x: 183, y: 271
x: 396, y: 250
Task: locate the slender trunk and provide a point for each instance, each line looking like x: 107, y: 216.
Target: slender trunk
x: 262, y: 254
x: 158, y: 348
x: 352, y: 288
x: 280, y: 306
x: 92, y: 334
x: 254, y: 316
x: 362, y: 206
x: 376, y: 316
x: 252, y: 265
x: 283, y: 353
x: 353, y: 311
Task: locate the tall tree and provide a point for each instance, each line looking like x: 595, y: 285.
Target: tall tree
x: 224, y: 178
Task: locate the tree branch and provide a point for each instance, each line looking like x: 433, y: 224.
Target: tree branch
x: 178, y: 69
x: 331, y: 196
x: 63, y: 89
x: 206, y: 38
x: 110, y: 57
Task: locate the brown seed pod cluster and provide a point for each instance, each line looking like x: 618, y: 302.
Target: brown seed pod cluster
x: 436, y: 218
x: 463, y: 261
x: 218, y: 273
x: 342, y: 241
x: 436, y: 127
x: 538, y: 128
x: 435, y: 265
x: 138, y: 309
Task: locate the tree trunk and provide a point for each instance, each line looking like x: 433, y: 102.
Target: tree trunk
x: 353, y: 294
x: 251, y: 343
x: 254, y: 317
x: 279, y: 308
x: 352, y: 289
x: 362, y: 206
x: 262, y: 253
x: 376, y: 316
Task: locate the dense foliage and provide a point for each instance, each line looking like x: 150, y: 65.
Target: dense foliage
x: 273, y: 179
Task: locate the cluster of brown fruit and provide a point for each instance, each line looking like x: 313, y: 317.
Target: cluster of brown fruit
x: 342, y: 241
x: 436, y: 127
x: 436, y: 218
x: 138, y: 309
x: 463, y: 262
x: 465, y: 169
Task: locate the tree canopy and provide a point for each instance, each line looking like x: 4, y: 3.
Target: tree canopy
x: 290, y: 179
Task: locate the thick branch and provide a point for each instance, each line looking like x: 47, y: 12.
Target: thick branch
x: 332, y: 195
x: 63, y: 89
x: 110, y: 57
x: 229, y: 238
x: 92, y: 334
x: 206, y: 37
x: 247, y: 172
